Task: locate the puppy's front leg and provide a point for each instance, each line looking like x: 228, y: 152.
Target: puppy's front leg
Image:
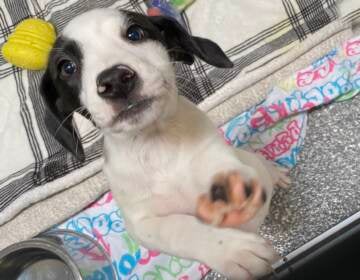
x: 234, y: 253
x: 234, y: 190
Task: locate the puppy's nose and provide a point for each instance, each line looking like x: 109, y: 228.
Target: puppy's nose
x: 116, y: 82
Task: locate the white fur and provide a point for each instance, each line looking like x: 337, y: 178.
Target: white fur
x: 160, y: 163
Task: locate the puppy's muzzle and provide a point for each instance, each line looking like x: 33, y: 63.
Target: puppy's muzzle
x: 116, y: 82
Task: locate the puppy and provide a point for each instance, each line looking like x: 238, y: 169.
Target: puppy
x: 168, y: 168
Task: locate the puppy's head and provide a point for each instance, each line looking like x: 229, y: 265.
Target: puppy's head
x: 117, y: 66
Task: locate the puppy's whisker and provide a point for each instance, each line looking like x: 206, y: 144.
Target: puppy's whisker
x: 63, y: 122
x: 67, y: 117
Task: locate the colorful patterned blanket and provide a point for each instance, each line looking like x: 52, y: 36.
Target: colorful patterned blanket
x: 275, y: 128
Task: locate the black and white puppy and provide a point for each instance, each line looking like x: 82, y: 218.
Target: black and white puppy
x: 161, y: 153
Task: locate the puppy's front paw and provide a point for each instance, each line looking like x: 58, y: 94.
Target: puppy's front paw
x: 231, y: 201
x: 243, y: 257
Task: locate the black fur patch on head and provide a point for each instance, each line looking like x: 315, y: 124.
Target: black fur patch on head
x: 180, y: 45
x: 61, y: 94
x: 67, y: 90
x: 143, y: 21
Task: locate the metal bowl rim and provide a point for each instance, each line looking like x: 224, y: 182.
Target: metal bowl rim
x: 87, y: 237
x: 47, y: 245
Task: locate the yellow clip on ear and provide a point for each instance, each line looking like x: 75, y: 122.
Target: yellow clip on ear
x: 30, y: 44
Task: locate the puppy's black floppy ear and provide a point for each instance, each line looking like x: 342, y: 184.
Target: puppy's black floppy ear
x: 59, y: 120
x: 183, y: 47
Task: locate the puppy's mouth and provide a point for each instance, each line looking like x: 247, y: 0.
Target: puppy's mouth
x: 133, y: 109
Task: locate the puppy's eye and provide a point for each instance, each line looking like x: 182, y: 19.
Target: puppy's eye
x: 67, y: 68
x: 135, y: 33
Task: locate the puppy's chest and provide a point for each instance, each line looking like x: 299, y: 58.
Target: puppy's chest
x: 159, y: 160
x: 148, y: 170
x: 153, y: 181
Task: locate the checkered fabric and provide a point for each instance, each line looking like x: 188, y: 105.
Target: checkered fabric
x: 31, y: 157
